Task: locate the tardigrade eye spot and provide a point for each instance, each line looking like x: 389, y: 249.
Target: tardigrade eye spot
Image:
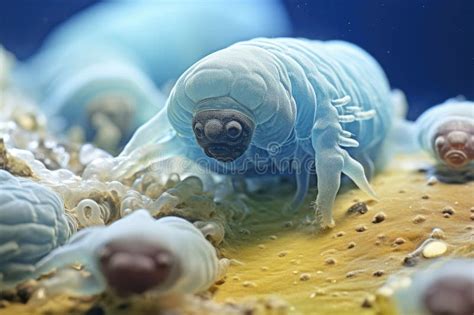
x: 234, y: 129
x: 440, y: 141
x: 199, y: 130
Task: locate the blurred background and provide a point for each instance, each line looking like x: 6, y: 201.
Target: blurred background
x: 426, y: 47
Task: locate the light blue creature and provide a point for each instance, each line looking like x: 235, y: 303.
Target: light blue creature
x: 32, y: 224
x: 446, y: 132
x: 279, y: 107
x: 112, y: 58
x: 133, y: 255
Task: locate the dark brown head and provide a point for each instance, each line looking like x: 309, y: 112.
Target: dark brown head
x: 454, y: 143
x: 223, y: 134
x: 450, y: 296
x: 133, y: 266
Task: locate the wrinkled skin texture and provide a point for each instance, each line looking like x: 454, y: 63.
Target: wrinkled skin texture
x: 32, y: 223
x: 280, y: 107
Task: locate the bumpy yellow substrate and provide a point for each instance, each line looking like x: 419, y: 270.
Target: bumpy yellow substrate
x: 328, y: 272
x: 333, y: 272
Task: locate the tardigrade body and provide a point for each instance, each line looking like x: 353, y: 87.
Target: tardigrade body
x: 32, y: 224
x: 446, y: 131
x: 111, y: 59
x: 280, y: 107
x: 134, y: 255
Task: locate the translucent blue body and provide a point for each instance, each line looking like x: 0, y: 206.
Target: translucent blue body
x: 176, y: 235
x: 32, y: 223
x: 324, y: 106
x: 132, y: 47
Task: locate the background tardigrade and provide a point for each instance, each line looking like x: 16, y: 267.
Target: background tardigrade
x: 425, y: 46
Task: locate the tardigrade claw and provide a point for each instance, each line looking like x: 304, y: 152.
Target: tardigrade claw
x: 322, y: 221
x: 323, y: 225
x: 329, y: 225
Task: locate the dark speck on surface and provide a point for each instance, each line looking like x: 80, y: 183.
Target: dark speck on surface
x: 368, y: 302
x: 249, y: 312
x: 24, y: 294
x: 359, y: 207
x: 448, y: 210
x: 410, y: 261
x: 379, y: 217
x: 378, y: 273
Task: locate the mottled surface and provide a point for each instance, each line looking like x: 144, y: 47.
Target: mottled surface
x: 336, y: 271
x: 346, y: 266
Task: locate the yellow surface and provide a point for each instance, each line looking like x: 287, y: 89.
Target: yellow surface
x: 401, y: 195
x: 273, y: 255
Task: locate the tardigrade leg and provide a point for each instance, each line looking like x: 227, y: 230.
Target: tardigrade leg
x: 302, y: 169
x: 367, y: 163
x: 156, y: 130
x: 223, y: 265
x: 72, y: 282
x: 68, y: 280
x: 331, y: 160
x: 329, y: 164
x: 62, y: 257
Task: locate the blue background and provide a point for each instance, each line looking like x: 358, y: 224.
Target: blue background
x: 425, y: 46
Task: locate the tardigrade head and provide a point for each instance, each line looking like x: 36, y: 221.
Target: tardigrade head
x: 453, y: 142
x: 223, y: 134
x: 232, y: 100
x: 136, y: 265
x: 450, y: 295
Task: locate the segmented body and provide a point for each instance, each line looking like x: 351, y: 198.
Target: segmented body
x: 309, y: 101
x: 94, y: 248
x: 289, y: 85
x: 32, y: 223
